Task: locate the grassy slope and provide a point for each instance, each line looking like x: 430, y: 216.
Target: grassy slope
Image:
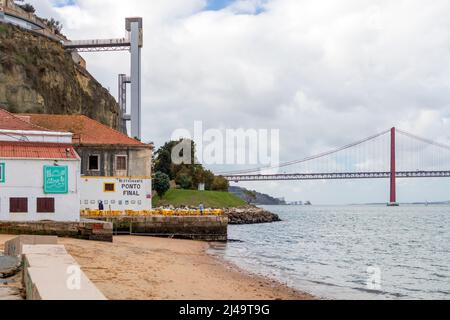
x: 211, y: 199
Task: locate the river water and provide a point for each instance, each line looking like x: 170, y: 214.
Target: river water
x: 350, y: 252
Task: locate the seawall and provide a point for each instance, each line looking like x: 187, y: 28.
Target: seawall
x: 203, y: 228
x: 85, y: 229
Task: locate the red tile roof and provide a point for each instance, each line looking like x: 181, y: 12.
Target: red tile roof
x: 9, y: 121
x: 86, y: 131
x: 34, y: 150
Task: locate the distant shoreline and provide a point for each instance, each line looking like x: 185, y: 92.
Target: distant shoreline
x: 445, y: 203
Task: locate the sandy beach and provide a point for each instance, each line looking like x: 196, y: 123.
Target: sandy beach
x: 144, y: 268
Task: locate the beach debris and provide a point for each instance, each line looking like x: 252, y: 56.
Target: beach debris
x: 9, y: 266
x: 9, y: 294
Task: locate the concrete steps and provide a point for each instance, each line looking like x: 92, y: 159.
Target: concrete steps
x: 50, y: 272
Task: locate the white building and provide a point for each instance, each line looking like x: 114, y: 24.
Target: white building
x: 39, y: 173
x: 115, y: 169
x: 116, y: 193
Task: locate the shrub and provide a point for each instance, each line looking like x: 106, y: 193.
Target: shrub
x: 161, y: 183
x: 28, y: 8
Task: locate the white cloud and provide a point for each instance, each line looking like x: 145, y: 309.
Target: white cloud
x: 324, y: 72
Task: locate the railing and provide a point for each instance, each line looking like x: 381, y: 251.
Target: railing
x: 149, y: 213
x: 19, y: 13
x: 42, y: 30
x: 97, y: 43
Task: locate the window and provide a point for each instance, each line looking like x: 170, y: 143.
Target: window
x: 18, y: 205
x: 109, y: 187
x: 121, y: 163
x: 2, y: 173
x: 45, y: 205
x: 94, y: 163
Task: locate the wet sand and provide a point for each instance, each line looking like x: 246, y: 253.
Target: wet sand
x: 144, y: 268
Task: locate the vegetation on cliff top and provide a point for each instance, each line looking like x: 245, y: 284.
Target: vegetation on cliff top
x: 27, y: 7
x: 52, y: 23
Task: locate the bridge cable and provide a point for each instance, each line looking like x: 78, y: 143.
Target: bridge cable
x: 321, y: 155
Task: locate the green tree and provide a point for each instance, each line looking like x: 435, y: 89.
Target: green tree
x: 208, y: 179
x: 184, y: 179
x: 163, y: 163
x: 220, y: 184
x: 189, y: 174
x: 54, y: 24
x: 28, y: 7
x: 161, y: 183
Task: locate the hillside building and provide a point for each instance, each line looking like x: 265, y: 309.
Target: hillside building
x: 104, y: 152
x: 13, y: 14
x: 39, y: 172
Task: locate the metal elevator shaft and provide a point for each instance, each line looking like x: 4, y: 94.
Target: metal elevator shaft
x: 133, y: 42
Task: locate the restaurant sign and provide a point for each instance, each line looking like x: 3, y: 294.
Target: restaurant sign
x: 56, y: 180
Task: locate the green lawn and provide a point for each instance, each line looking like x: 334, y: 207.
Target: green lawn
x: 210, y: 199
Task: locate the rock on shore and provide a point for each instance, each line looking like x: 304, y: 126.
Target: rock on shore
x: 10, y: 278
x: 9, y: 266
x: 250, y: 215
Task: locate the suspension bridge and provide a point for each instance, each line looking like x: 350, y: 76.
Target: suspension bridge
x: 391, y: 154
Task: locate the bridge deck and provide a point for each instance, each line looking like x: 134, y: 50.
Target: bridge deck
x: 337, y: 176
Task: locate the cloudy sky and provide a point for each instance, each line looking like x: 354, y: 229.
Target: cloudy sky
x: 326, y: 73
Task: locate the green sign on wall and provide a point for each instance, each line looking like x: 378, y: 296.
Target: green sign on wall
x: 2, y: 173
x: 56, y: 180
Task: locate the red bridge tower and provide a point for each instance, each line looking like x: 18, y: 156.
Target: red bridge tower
x: 393, y: 198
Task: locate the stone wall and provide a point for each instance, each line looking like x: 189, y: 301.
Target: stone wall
x: 204, y: 228
x: 86, y: 229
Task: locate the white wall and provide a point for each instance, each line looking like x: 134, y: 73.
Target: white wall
x: 36, y: 136
x: 24, y: 178
x: 134, y: 194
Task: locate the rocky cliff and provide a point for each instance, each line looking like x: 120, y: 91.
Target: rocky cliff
x: 257, y: 199
x: 38, y: 76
